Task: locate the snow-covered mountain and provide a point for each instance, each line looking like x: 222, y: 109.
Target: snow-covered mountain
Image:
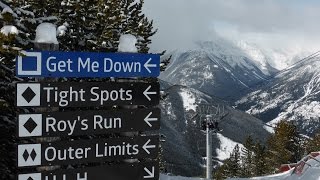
x: 184, y: 146
x: 291, y: 95
x: 228, y: 68
x: 279, y: 59
x: 219, y: 68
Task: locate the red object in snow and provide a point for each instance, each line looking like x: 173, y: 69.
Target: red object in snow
x: 287, y: 167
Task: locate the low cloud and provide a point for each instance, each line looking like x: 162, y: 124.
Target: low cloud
x: 267, y: 22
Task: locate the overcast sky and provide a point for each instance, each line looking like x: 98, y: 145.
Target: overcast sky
x: 270, y: 23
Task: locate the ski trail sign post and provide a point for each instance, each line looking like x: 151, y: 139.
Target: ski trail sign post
x: 84, y: 151
x: 75, y: 123
x: 85, y: 94
x: 89, y: 122
x: 135, y: 171
x: 87, y: 64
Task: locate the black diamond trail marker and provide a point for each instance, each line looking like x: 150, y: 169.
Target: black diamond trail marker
x: 29, y: 155
x: 33, y: 154
x: 30, y: 125
x: 28, y: 94
x: 25, y: 155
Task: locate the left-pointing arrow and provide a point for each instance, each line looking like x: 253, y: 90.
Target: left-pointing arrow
x: 150, y: 173
x: 146, y: 93
x: 146, y: 146
x: 147, y: 65
x: 148, y: 119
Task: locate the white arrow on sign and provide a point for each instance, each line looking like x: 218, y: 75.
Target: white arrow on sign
x: 147, y: 65
x: 146, y: 93
x: 148, y: 119
x: 150, y: 173
x: 146, y: 146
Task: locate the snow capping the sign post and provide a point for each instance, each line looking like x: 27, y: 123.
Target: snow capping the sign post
x: 127, y: 43
x: 46, y: 33
x: 8, y: 29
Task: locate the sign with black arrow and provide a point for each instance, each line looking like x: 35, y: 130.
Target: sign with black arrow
x: 85, y: 151
x: 85, y: 94
x: 88, y: 122
x: 136, y: 171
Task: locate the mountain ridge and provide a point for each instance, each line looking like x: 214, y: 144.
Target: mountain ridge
x: 215, y: 68
x: 291, y: 95
x: 185, y: 143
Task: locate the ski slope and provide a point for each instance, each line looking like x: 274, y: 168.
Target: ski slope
x: 166, y: 177
x: 226, y: 147
x: 306, y: 169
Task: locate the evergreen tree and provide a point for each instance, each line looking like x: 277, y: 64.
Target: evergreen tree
x: 235, y: 162
x: 223, y: 171
x: 8, y: 50
x: 313, y: 144
x: 284, y: 145
x: 259, y: 160
x: 81, y: 19
x: 231, y: 167
x: 98, y: 24
x: 90, y: 26
x: 26, y: 16
x: 110, y: 25
x: 247, y: 158
x: 137, y: 24
x: 12, y: 43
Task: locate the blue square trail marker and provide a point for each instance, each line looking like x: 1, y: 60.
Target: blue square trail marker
x: 29, y: 63
x: 87, y: 64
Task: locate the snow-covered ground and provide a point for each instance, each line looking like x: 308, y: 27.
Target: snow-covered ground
x: 188, y: 100
x: 226, y: 147
x: 166, y: 177
x: 309, y: 169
